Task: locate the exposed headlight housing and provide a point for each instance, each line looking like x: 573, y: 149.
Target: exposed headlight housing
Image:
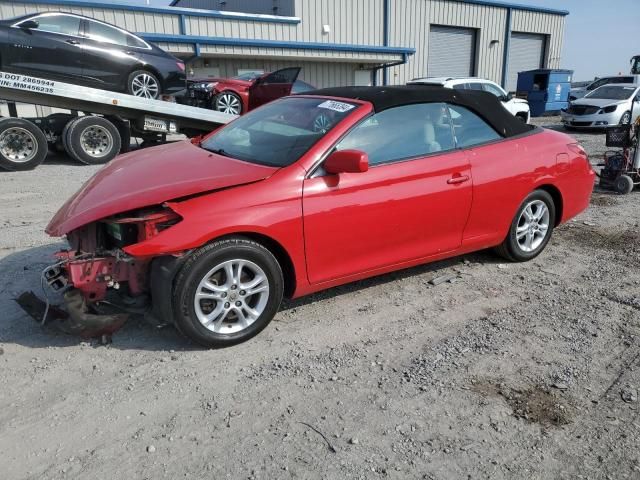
x: 609, y: 109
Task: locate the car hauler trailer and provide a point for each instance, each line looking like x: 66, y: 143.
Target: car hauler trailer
x: 105, y: 129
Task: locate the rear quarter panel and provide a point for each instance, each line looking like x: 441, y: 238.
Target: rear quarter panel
x: 505, y: 172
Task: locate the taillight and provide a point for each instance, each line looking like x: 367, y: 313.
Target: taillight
x: 180, y: 66
x: 582, y: 155
x: 577, y: 149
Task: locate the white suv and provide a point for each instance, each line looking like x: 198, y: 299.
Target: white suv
x: 517, y: 106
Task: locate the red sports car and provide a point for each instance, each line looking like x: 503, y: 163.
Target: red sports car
x: 211, y: 236
x: 238, y: 95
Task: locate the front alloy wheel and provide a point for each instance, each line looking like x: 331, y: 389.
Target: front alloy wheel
x: 625, y: 119
x: 228, y: 102
x: 226, y: 292
x: 231, y: 296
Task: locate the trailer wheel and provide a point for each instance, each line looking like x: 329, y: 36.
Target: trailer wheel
x: 23, y: 146
x: 92, y: 140
x: 624, y: 184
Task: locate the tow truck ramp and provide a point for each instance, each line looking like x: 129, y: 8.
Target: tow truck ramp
x: 110, y: 120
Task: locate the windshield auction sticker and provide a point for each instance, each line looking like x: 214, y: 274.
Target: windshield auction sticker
x: 336, y: 106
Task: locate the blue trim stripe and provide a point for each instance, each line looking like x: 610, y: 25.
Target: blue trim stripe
x: 516, y: 6
x: 191, y: 12
x: 245, y: 42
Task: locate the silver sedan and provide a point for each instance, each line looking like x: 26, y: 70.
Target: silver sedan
x: 613, y: 104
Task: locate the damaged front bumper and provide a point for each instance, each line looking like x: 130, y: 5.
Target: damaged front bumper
x: 101, y: 284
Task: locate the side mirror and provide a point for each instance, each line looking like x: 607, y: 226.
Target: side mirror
x: 29, y: 24
x: 347, y: 161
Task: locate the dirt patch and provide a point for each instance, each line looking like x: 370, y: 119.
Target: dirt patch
x: 534, y: 404
x: 604, y: 200
x: 600, y: 238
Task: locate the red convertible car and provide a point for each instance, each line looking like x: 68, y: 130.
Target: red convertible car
x: 209, y: 237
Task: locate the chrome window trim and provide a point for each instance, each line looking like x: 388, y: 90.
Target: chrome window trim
x: 88, y: 20
x: 51, y: 14
x: 79, y: 35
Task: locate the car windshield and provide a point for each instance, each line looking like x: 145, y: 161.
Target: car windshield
x: 611, y: 92
x: 279, y: 133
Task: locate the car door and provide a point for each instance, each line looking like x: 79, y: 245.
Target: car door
x: 501, y: 171
x: 272, y: 86
x: 52, y: 49
x: 110, y: 54
x: 412, y: 203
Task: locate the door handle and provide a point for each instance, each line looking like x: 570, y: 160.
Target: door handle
x: 458, y: 179
x: 71, y: 41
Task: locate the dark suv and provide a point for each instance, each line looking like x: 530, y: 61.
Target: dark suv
x: 81, y: 50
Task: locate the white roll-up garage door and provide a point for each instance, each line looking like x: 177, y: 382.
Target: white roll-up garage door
x: 526, y: 52
x: 452, y: 52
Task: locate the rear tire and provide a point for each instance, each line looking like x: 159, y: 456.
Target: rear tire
x: 530, y: 229
x: 143, y: 84
x: 227, y: 292
x: 91, y: 140
x: 623, y: 184
x: 23, y: 146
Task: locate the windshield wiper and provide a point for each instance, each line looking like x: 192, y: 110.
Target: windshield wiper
x: 219, y: 151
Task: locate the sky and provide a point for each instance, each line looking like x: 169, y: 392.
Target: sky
x: 600, y: 36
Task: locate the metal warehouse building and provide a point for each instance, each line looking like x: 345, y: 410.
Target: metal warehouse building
x: 339, y: 42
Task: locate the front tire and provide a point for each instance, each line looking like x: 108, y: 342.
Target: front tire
x: 227, y: 292
x: 228, y: 102
x: 625, y: 119
x: 530, y: 229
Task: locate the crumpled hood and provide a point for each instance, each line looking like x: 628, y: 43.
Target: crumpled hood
x: 150, y: 177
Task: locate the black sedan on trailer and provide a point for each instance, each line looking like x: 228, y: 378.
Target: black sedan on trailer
x: 81, y: 50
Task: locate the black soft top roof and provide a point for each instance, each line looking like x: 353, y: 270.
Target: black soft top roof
x: 483, y: 103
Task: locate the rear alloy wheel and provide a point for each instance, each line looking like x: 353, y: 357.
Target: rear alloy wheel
x: 531, y: 228
x: 227, y: 292
x: 228, y: 102
x: 23, y: 146
x: 143, y: 84
x: 92, y: 140
x: 623, y: 184
x: 625, y: 119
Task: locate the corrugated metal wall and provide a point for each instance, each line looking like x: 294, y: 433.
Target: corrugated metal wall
x: 410, y: 21
x: 354, y: 22
x: 127, y: 19
x: 264, y: 7
x: 319, y: 74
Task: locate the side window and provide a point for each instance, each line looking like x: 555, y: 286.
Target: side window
x: 474, y: 86
x: 460, y: 86
x: 135, y: 42
x: 64, y: 24
x: 488, y: 87
x: 469, y: 128
x: 106, y: 34
x: 402, y: 132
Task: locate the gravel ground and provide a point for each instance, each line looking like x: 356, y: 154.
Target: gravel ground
x: 508, y: 371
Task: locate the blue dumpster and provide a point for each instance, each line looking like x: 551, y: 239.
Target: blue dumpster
x: 546, y: 90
